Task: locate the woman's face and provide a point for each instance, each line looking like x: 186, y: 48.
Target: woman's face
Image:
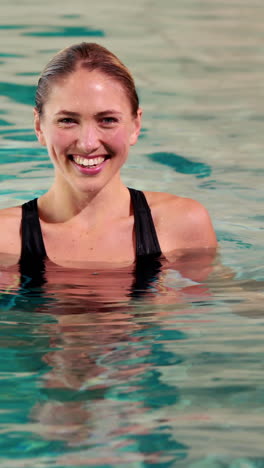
x: 88, y: 127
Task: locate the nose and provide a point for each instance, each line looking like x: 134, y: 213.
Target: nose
x: 89, y: 138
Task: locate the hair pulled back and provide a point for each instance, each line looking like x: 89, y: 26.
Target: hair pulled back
x: 87, y: 55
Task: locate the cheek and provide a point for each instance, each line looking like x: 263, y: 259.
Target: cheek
x: 120, y: 139
x: 59, y: 139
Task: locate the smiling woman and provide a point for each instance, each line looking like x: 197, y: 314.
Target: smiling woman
x: 87, y: 114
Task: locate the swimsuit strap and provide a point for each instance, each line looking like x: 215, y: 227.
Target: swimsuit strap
x: 148, y: 251
x: 146, y: 237
x: 31, y: 235
x: 33, y: 252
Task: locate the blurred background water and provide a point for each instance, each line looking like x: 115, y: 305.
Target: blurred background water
x: 175, y: 379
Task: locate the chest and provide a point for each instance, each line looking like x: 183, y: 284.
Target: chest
x: 112, y: 243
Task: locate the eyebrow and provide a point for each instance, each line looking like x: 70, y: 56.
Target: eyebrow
x: 108, y: 111
x: 99, y: 114
x: 72, y: 114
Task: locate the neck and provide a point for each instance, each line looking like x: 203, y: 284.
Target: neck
x: 62, y: 204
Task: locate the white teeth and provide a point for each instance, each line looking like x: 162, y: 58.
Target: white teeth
x: 88, y: 162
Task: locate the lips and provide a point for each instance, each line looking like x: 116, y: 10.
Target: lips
x: 89, y: 165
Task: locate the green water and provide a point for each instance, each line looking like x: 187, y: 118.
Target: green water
x: 91, y: 376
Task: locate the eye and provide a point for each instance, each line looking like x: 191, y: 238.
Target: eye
x: 66, y: 121
x: 109, y: 121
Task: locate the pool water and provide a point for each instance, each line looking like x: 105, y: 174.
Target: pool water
x: 98, y: 372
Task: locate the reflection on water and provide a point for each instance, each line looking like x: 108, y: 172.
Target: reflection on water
x: 94, y: 375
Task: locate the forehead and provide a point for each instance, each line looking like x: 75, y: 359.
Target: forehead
x: 85, y: 84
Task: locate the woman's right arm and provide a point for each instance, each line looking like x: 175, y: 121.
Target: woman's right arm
x: 10, y: 242
x: 10, y: 246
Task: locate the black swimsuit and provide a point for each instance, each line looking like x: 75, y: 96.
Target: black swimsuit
x: 33, y: 252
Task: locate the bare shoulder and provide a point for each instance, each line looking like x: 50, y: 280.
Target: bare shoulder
x: 181, y: 222
x: 10, y: 220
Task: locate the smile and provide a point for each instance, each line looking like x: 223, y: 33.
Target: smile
x: 89, y: 165
x: 89, y: 162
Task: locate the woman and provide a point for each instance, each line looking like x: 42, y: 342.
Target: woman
x: 87, y: 115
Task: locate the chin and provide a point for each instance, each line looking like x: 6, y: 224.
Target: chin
x: 90, y: 187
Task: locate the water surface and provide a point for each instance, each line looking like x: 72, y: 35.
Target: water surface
x: 93, y: 374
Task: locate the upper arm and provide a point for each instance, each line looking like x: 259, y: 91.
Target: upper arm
x: 10, y: 243
x: 198, y: 227
x: 183, y: 223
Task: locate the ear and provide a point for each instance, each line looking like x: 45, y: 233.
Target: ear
x: 38, y: 129
x: 137, y: 127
